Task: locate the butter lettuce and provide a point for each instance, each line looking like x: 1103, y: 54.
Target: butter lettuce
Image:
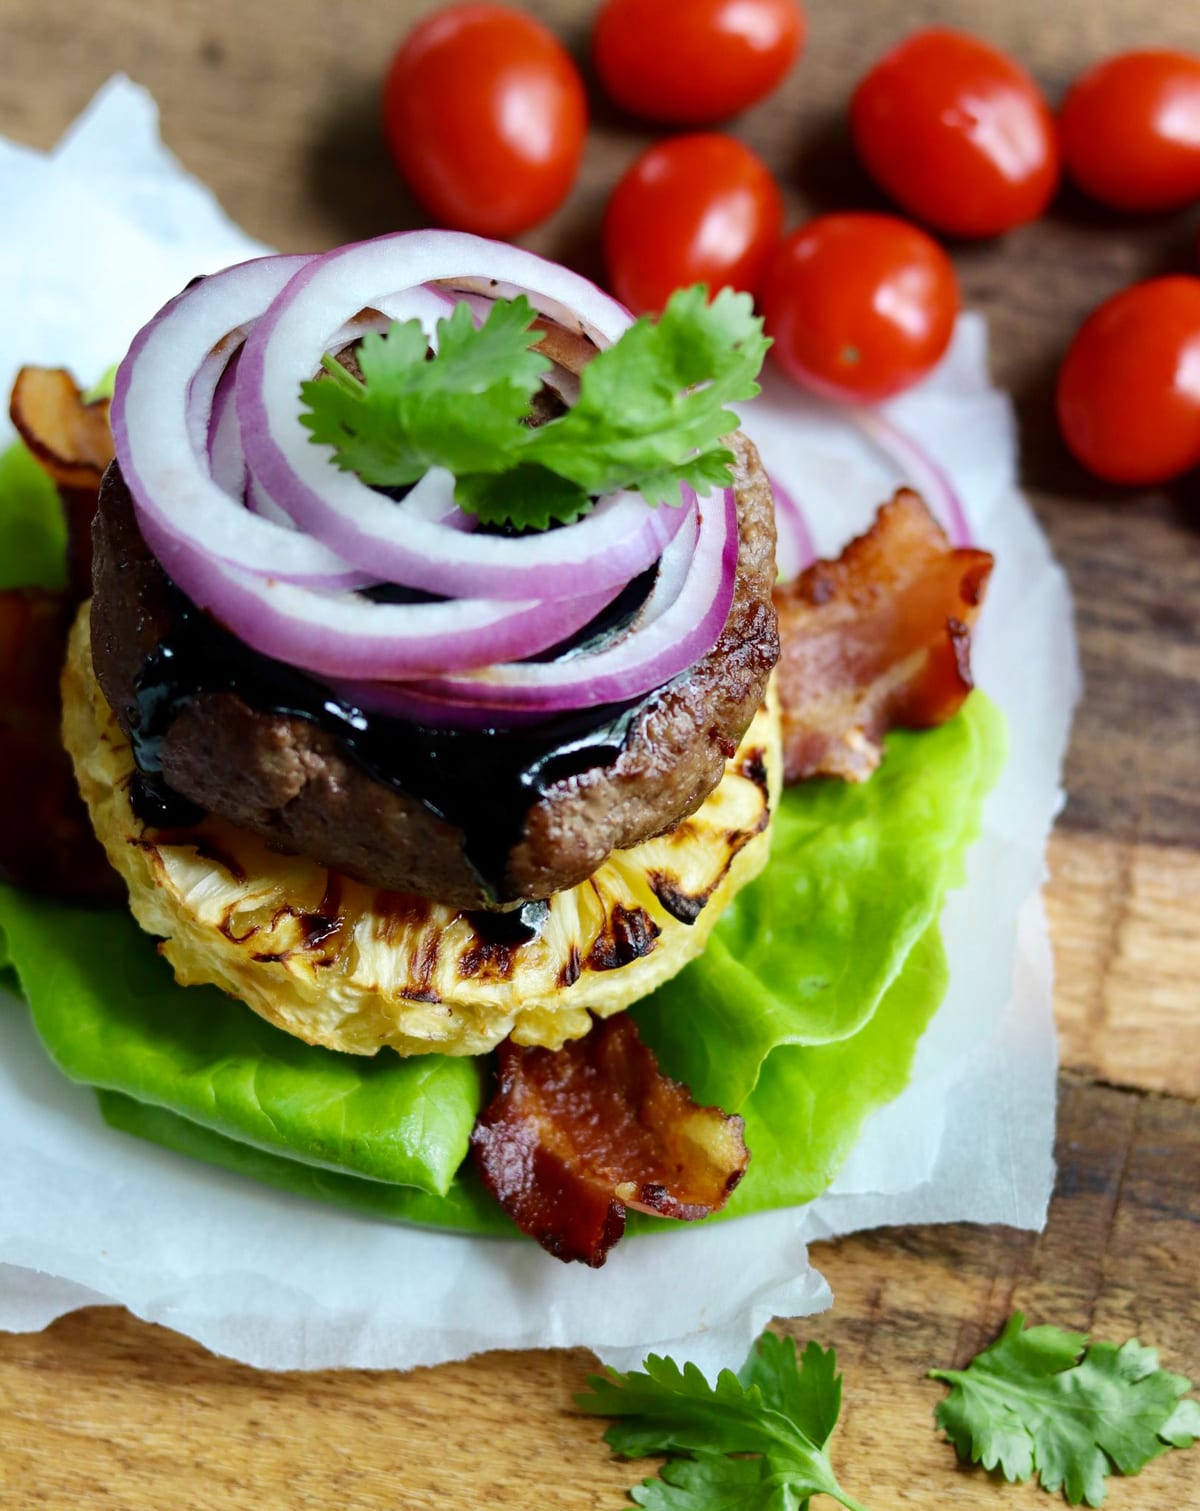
x: 857, y: 875
x: 110, y: 1014
x: 466, y: 1206
x: 33, y: 532
x: 801, y: 1123
x: 804, y: 1013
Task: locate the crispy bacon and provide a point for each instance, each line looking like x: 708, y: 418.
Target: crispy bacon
x: 71, y: 440
x: 878, y: 639
x: 46, y: 839
x: 573, y: 1137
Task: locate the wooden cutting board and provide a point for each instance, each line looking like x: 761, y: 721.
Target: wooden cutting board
x: 275, y: 105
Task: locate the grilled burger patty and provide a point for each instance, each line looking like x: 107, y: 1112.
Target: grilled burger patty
x: 259, y: 757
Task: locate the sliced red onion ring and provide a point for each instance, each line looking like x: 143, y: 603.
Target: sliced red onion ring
x: 265, y: 507
x: 336, y: 634
x: 226, y: 459
x: 618, y: 539
x: 562, y: 296
x: 230, y: 494
x: 917, y: 468
x: 420, y: 702
x: 795, y: 549
x: 647, y: 658
x: 433, y: 499
x: 152, y: 409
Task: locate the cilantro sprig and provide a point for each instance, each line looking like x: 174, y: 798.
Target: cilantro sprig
x: 650, y: 417
x: 1041, y: 1399
x: 1038, y: 1400
x: 754, y: 1441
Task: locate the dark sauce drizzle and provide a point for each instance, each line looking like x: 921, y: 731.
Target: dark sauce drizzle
x: 483, y: 782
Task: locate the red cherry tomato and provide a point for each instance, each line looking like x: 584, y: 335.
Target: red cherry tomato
x: 860, y: 306
x: 957, y: 133
x: 694, y: 62
x: 693, y: 209
x: 485, y: 115
x: 1131, y: 131
x: 1129, y: 389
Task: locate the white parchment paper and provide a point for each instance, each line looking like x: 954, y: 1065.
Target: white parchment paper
x: 98, y: 234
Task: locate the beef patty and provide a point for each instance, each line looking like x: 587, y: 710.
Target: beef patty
x: 299, y: 785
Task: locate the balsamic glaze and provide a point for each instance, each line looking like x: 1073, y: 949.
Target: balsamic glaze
x: 159, y: 806
x: 514, y: 929
x: 484, y: 782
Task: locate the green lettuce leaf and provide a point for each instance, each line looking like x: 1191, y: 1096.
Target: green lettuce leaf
x: 466, y: 1207
x: 109, y: 1012
x: 33, y: 530
x: 807, y: 1111
x: 857, y: 876
x: 801, y: 1122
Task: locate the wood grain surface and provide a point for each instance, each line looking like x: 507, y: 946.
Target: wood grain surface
x: 275, y: 105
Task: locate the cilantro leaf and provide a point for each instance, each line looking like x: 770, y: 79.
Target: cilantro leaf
x: 716, y: 1484
x: 668, y: 1410
x: 461, y: 409
x: 810, y: 1394
x: 529, y: 494
x: 650, y: 417
x: 652, y: 405
x: 1042, y: 1399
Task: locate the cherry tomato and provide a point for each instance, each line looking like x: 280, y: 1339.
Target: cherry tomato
x: 693, y: 209
x: 694, y: 62
x: 1131, y: 131
x: 1129, y: 389
x: 957, y: 133
x: 860, y: 306
x: 485, y: 116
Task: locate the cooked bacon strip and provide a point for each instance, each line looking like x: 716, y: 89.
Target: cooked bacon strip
x: 72, y: 442
x: 573, y: 1137
x: 46, y: 839
x: 878, y: 639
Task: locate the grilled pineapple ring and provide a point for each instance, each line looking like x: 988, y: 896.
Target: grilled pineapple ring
x: 347, y: 966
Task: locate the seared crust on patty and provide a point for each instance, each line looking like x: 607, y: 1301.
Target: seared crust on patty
x: 295, y: 784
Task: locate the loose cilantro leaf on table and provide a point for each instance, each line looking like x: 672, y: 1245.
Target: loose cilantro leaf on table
x: 650, y: 416
x: 778, y: 1410
x: 1041, y: 1399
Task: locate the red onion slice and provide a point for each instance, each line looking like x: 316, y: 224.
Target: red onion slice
x: 432, y: 499
x: 226, y: 459
x: 423, y: 704
x: 918, y: 469
x: 336, y: 634
x: 617, y: 540
x: 153, y: 413
x: 227, y: 487
x: 795, y: 549
x: 647, y: 658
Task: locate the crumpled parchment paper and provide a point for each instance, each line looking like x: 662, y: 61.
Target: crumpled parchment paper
x: 99, y: 233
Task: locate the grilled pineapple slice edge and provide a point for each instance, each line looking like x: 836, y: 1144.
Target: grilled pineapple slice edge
x: 343, y: 965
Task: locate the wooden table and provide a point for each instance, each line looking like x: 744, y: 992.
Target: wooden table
x: 275, y: 104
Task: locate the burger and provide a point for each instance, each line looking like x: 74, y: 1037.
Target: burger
x: 434, y: 701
